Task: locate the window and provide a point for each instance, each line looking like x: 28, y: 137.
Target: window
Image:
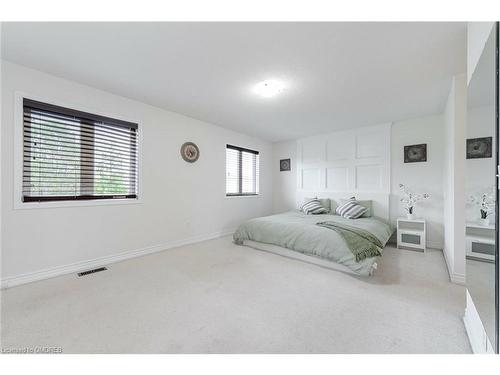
x: 73, y: 155
x: 242, y: 171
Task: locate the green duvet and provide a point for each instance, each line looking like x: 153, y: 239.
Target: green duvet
x: 297, y: 231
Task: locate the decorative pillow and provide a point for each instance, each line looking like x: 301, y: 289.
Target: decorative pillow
x: 366, y: 203
x: 325, y: 202
x: 351, y: 209
x: 313, y: 207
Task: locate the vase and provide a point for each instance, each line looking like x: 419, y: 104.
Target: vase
x: 484, y: 222
x: 410, y: 216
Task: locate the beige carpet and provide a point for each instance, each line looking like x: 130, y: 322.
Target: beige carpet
x: 216, y: 297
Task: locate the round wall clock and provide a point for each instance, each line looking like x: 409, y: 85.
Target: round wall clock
x: 190, y: 152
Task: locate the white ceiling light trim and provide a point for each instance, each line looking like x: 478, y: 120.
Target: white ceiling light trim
x: 269, y: 88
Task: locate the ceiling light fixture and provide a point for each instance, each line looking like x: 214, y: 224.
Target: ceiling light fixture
x: 269, y: 88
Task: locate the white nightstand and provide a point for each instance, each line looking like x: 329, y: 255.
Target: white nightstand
x: 480, y: 241
x: 411, y: 234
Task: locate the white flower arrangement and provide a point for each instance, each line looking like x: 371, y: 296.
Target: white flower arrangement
x: 410, y: 199
x: 485, y: 201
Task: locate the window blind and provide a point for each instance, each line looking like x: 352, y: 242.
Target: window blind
x: 242, y: 171
x: 74, y: 155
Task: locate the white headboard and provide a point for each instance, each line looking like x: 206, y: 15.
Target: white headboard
x: 380, y: 201
x: 342, y: 164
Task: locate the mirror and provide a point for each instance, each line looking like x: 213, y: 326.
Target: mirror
x: 481, y: 188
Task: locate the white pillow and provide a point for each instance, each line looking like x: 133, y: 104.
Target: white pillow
x: 351, y: 209
x: 313, y: 207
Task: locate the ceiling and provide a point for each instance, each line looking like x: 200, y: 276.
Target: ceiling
x: 338, y: 75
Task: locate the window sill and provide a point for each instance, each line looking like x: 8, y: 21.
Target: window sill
x: 244, y: 196
x: 68, y: 204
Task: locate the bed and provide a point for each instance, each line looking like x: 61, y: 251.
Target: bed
x: 297, y: 235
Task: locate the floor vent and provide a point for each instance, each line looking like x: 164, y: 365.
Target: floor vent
x: 85, y: 273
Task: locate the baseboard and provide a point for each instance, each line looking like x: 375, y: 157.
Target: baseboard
x: 479, y: 342
x: 456, y: 278
x: 12, y: 281
x: 434, y: 245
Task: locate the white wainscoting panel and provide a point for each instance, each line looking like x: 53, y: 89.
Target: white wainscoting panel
x: 370, y: 144
x: 338, y: 146
x: 310, y: 179
x: 337, y: 178
x: 356, y: 160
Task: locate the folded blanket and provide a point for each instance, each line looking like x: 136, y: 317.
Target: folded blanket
x: 360, y: 242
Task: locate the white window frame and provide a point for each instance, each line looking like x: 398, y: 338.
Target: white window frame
x: 18, y: 157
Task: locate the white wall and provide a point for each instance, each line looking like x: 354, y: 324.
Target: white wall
x: 477, y: 35
x: 284, y: 183
x: 180, y: 201
x: 423, y: 177
x: 345, y: 163
x: 454, y: 179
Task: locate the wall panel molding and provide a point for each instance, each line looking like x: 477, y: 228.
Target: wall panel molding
x: 356, y: 160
